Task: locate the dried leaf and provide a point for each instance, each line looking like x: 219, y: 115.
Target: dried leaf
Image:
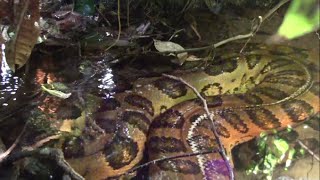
x: 163, y: 46
x: 26, y: 33
x: 193, y: 58
x: 66, y: 125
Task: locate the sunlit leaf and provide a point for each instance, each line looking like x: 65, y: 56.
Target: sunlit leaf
x: 274, y: 150
x: 25, y: 34
x: 66, y: 125
x: 302, y: 17
x: 55, y: 91
x: 281, y: 145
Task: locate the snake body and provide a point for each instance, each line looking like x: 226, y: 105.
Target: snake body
x: 262, y: 90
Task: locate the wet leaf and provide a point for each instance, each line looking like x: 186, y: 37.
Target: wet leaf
x: 26, y: 32
x: 49, y: 88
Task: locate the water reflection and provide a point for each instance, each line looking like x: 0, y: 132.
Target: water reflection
x: 9, y: 83
x: 106, y: 81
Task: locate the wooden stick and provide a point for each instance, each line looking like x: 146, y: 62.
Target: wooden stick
x: 221, y: 149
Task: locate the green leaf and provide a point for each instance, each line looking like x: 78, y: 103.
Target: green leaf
x: 85, y: 7
x: 56, y: 90
x: 302, y: 17
x: 281, y: 145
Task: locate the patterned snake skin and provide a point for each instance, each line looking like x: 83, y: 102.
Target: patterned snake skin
x: 262, y: 90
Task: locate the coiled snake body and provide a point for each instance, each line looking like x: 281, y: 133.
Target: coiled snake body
x: 262, y: 90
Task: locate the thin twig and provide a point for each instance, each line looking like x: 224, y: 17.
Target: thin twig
x: 169, y: 158
x: 175, y: 33
x: 256, y: 28
x: 103, y: 17
x: 57, y: 155
x: 119, y: 29
x: 51, y: 153
x: 8, y: 151
x: 253, y: 32
x: 42, y: 142
x: 309, y: 150
x: 221, y: 149
x: 274, y: 9
x: 238, y: 37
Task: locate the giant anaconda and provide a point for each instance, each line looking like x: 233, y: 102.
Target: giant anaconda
x: 262, y: 90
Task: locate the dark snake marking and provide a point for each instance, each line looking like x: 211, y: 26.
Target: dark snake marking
x: 263, y: 118
x: 207, y: 124
x: 212, y: 101
x: 137, y: 120
x: 276, y: 63
x: 163, y: 109
x: 250, y: 98
x: 166, y: 145
x: 180, y: 166
x: 288, y: 73
x: 220, y: 66
x: 287, y: 51
x: 204, y: 143
x: 194, y: 118
x: 120, y: 152
x: 140, y: 102
x: 289, y: 81
x: 205, y: 91
x: 108, y: 125
x: 222, y: 131
x: 235, y: 121
x: 279, y: 62
x: 169, y: 119
x: 109, y: 105
x: 171, y: 87
x: 271, y: 93
x: 253, y: 60
x: 298, y: 110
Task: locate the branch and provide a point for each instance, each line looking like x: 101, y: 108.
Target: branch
x: 309, y: 150
x: 4, y: 155
x: 255, y: 28
x: 166, y: 159
x: 51, y: 153
x: 221, y: 149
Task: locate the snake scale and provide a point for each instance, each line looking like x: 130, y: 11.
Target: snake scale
x: 267, y: 88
